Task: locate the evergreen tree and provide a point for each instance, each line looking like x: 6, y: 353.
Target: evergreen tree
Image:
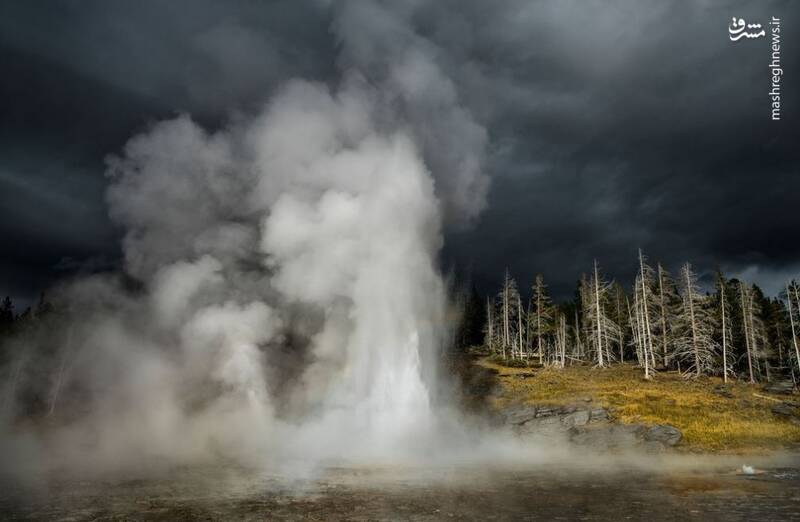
x: 6, y: 316
x: 470, y: 327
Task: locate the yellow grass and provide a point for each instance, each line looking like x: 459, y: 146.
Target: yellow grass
x: 709, y: 422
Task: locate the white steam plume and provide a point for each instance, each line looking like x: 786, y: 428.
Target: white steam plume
x: 290, y: 303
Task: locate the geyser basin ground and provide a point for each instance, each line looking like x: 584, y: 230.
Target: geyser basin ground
x: 681, y: 488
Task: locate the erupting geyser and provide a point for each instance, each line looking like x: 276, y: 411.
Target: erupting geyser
x: 304, y: 239
x: 286, y: 300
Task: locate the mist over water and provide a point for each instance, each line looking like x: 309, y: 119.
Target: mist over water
x: 280, y: 297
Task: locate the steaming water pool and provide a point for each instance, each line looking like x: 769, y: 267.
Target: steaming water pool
x: 713, y: 491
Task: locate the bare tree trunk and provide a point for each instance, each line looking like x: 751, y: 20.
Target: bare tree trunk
x: 519, y: 323
x: 779, y: 337
x: 621, y: 336
x: 598, y: 316
x: 490, y: 323
x: 754, y: 340
x: 539, y: 322
x: 724, y: 335
x: 563, y: 341
x: 746, y: 333
x: 634, y: 327
x: 646, y: 316
x: 578, y: 345
x: 505, y: 316
x: 642, y: 338
x: 528, y: 330
x: 791, y: 320
x: 690, y: 300
x: 663, y: 316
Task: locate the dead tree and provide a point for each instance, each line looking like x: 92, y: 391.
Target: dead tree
x: 506, y: 289
x: 519, y: 326
x: 666, y: 302
x: 543, y: 314
x: 490, y: 329
x: 578, y: 348
x: 646, y: 294
x: 561, y: 340
x: 510, y: 302
x: 753, y: 328
x: 743, y: 297
x: 724, y: 312
x: 756, y: 332
x: 643, y: 354
x: 792, y: 322
x: 696, y: 345
x: 602, y: 330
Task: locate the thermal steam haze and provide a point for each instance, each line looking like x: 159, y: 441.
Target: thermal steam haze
x: 281, y: 297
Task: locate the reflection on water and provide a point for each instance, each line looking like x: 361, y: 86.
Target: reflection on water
x: 715, y: 490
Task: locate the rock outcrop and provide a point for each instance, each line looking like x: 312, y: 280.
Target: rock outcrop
x: 788, y: 410
x: 780, y: 387
x: 588, y: 425
x: 663, y: 433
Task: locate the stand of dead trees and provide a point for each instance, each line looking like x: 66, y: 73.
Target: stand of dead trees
x: 661, y: 323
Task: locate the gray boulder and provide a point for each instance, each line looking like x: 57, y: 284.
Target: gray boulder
x: 549, y: 426
x: 785, y: 409
x: 608, y: 436
x: 780, y: 387
x: 576, y: 418
x: 663, y: 433
x: 519, y: 414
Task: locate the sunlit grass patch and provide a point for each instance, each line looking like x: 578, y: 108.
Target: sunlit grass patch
x: 709, y: 421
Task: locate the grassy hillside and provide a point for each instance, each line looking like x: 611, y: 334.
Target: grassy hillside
x: 736, y: 417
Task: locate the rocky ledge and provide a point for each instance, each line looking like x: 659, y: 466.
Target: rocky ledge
x: 780, y: 387
x: 588, y: 425
x: 789, y: 410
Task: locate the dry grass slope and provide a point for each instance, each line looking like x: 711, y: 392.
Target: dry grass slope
x: 742, y: 423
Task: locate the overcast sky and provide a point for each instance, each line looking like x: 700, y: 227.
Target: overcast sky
x: 612, y: 125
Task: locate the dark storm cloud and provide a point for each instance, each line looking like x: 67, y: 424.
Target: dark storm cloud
x: 612, y: 125
x: 78, y: 79
x: 619, y: 128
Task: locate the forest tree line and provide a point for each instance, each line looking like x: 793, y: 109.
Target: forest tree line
x: 661, y: 322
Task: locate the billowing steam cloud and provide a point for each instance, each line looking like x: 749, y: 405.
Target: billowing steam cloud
x: 281, y: 296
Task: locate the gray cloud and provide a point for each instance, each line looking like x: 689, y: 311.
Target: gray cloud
x: 609, y: 126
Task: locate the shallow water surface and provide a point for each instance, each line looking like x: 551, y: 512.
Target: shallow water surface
x: 718, y: 491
